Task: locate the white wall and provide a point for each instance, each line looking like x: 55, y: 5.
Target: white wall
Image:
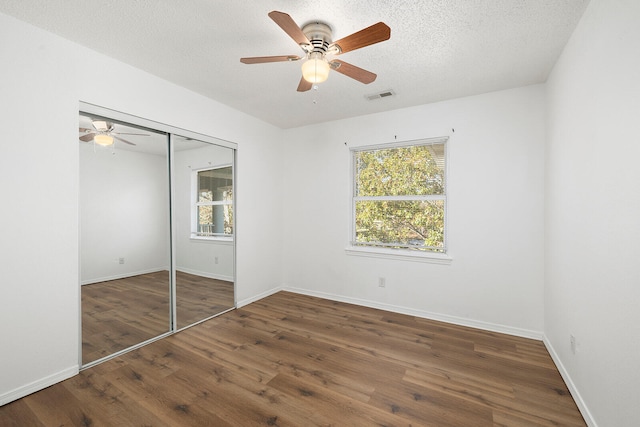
x: 192, y: 255
x: 592, y: 283
x: 495, y: 217
x: 124, y: 213
x: 42, y: 80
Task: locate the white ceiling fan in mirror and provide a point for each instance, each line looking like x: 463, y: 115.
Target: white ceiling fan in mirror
x: 103, y: 133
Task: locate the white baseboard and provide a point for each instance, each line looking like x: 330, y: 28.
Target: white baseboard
x: 258, y: 297
x: 205, y: 274
x: 122, y: 276
x: 155, y: 270
x: 38, y: 385
x: 582, y: 406
x: 493, y: 327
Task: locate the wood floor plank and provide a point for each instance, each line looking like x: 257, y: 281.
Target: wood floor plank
x: 261, y: 404
x: 424, y: 406
x: 294, y: 360
x: 110, y: 405
x: 18, y: 414
x: 465, y: 389
x: 57, y: 406
x: 167, y: 399
x: 244, y: 362
x: 322, y: 364
x: 325, y: 404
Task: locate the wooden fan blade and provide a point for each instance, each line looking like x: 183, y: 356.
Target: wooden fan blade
x: 85, y: 130
x: 374, y: 34
x: 289, y: 26
x: 123, y: 140
x: 88, y: 137
x: 304, y: 85
x: 263, y: 59
x: 352, y: 71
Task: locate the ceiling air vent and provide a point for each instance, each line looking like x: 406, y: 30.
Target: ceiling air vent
x: 383, y: 94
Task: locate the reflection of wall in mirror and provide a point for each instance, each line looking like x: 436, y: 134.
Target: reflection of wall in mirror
x: 124, y: 201
x: 198, y: 256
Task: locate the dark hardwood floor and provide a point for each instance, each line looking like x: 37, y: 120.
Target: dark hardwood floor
x: 293, y: 360
x: 201, y: 297
x: 118, y: 314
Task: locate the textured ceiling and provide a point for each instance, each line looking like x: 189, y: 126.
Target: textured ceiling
x: 439, y: 49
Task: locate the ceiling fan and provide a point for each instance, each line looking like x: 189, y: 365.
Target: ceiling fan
x: 315, y: 41
x: 103, y: 133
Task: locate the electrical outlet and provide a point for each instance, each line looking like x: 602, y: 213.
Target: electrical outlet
x: 382, y: 282
x: 572, y: 341
x: 216, y: 260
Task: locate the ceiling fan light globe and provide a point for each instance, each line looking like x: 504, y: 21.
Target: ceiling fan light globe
x: 316, y: 70
x: 103, y: 140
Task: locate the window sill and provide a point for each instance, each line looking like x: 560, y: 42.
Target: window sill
x: 399, y: 254
x: 218, y: 240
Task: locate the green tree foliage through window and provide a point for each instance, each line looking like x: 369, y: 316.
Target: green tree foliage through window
x: 399, y: 199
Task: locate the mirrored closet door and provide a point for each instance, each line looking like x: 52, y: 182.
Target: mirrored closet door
x: 157, y: 231
x: 125, y: 238
x: 203, y: 229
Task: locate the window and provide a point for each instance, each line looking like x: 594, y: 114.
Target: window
x: 213, y: 210
x: 399, y: 196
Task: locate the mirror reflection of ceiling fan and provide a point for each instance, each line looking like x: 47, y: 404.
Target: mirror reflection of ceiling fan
x: 103, y: 133
x: 315, y: 41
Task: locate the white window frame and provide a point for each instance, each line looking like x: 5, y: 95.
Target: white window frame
x: 195, y: 235
x: 378, y: 251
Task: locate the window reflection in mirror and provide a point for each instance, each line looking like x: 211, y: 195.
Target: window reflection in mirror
x: 203, y: 224
x: 214, y: 202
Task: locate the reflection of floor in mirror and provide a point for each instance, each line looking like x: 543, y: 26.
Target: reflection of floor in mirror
x: 120, y: 313
x: 199, y: 297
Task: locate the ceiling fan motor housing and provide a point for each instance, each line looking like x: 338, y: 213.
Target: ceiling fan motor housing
x: 102, y: 125
x: 319, y: 34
